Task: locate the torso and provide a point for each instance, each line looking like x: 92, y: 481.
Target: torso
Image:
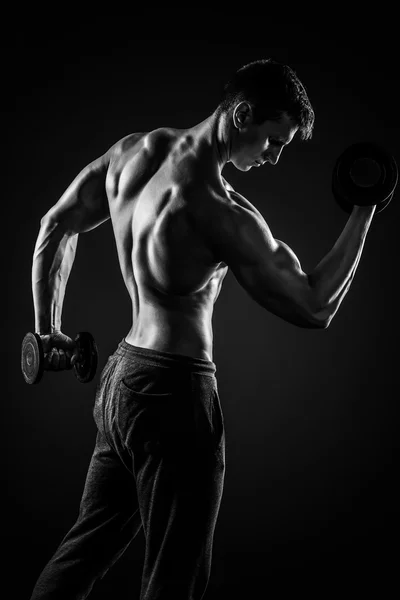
x: 154, y: 186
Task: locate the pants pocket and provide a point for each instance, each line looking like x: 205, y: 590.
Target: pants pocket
x: 148, y: 421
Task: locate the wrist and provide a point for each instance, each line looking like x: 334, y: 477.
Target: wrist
x: 364, y: 210
x: 47, y: 330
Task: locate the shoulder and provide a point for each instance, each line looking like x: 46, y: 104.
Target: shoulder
x: 217, y: 208
x: 235, y: 205
x: 146, y: 142
x: 230, y: 222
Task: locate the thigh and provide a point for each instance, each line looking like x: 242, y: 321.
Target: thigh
x: 109, y: 516
x: 110, y: 490
x: 176, y: 442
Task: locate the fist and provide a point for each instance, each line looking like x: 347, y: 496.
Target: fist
x: 60, y: 351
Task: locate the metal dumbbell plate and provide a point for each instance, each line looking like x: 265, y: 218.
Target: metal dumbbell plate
x: 32, y: 358
x: 85, y: 367
x: 364, y: 175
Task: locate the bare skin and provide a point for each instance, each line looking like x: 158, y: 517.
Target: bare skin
x: 178, y: 227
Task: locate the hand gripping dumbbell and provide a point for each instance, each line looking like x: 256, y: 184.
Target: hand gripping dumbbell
x: 364, y: 175
x: 33, y: 361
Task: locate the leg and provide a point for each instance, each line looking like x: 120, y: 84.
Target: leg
x: 108, y: 520
x: 180, y: 498
x: 177, y: 448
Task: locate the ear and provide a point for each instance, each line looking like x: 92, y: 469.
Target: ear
x: 242, y: 115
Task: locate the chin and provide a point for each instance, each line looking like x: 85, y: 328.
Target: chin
x: 241, y: 166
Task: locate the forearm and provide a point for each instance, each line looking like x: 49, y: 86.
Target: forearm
x: 332, y: 277
x: 53, y: 258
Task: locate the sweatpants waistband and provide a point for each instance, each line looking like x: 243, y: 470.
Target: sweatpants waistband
x: 165, y: 359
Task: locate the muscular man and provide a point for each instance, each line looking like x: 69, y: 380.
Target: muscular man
x: 158, y: 462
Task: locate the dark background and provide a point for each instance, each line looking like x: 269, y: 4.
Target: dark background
x: 311, y: 500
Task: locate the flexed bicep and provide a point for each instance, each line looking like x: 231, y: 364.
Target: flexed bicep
x: 265, y: 267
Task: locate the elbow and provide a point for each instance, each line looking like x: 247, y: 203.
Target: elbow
x: 323, y: 324
x: 313, y: 323
x: 320, y: 316
x: 320, y: 320
x: 45, y: 221
x: 311, y: 320
x: 51, y: 225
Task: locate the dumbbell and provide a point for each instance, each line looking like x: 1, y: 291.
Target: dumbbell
x: 364, y: 175
x: 33, y: 363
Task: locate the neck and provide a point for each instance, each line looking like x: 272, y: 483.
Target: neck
x: 213, y: 135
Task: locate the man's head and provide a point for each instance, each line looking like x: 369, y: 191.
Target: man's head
x: 265, y: 105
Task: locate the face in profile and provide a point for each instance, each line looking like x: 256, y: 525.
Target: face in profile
x: 253, y: 145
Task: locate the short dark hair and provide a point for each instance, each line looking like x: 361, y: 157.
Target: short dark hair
x: 271, y: 88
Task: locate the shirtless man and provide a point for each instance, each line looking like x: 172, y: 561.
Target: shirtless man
x: 159, y: 462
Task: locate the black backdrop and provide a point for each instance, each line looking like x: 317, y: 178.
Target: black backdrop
x: 311, y: 417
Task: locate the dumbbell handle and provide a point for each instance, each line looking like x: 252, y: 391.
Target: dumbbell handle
x: 49, y: 365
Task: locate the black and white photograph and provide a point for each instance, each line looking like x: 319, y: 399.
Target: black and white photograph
x: 200, y: 270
